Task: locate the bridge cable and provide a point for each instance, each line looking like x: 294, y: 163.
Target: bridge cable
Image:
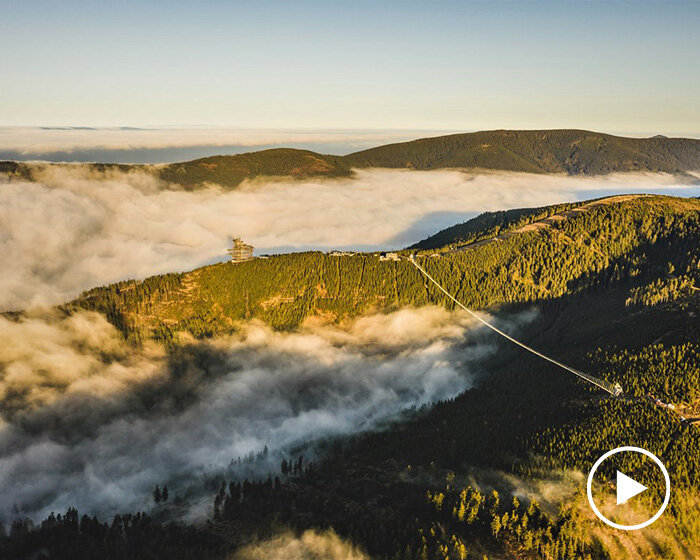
x: 615, y: 390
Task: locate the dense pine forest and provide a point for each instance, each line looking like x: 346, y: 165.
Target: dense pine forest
x: 602, y: 247
x: 615, y: 287
x: 575, y: 152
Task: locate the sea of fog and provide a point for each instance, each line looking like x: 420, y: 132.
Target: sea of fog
x: 87, y: 421
x: 71, y: 230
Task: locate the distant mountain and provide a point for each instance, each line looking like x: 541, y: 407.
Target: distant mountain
x: 227, y: 171
x: 574, y: 152
x: 230, y: 171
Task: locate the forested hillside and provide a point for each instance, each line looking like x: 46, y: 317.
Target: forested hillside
x: 608, y: 244
x: 230, y: 171
x: 488, y: 225
x: 453, y: 482
x: 493, y: 473
x: 576, y: 152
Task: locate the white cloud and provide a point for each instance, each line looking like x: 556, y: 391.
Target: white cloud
x: 73, y: 230
x: 311, y: 545
x: 92, y: 423
x: 46, y: 355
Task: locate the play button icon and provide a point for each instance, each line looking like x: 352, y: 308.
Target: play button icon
x: 627, y: 488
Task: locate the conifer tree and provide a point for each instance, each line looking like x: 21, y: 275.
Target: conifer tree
x: 157, y: 496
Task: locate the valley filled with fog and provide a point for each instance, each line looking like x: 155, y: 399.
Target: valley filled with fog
x: 91, y: 422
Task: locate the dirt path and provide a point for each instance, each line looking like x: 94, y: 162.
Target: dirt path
x: 547, y: 222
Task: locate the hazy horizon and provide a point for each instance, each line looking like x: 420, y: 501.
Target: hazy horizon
x: 173, y: 144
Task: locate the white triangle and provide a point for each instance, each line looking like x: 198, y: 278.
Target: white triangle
x: 627, y: 488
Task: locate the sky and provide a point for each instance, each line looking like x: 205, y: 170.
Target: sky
x: 627, y: 68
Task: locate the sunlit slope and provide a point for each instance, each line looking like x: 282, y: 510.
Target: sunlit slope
x: 537, y: 151
x: 488, y: 225
x: 633, y: 242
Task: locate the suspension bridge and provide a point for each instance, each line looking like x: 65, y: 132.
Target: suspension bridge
x: 614, y: 389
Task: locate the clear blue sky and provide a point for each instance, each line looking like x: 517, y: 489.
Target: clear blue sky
x: 630, y: 67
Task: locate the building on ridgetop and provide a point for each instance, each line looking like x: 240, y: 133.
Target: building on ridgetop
x: 336, y: 253
x: 240, y: 252
x: 389, y: 257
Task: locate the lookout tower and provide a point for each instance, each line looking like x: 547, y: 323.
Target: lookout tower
x: 240, y: 252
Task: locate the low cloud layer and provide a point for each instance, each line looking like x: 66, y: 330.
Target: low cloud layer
x: 90, y: 423
x: 46, y: 356
x: 157, y: 145
x: 73, y: 230
x: 311, y: 545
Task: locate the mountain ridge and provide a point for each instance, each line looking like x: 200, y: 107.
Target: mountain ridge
x: 565, y: 151
x: 535, y: 264
x: 570, y: 151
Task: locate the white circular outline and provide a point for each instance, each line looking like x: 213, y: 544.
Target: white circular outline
x: 615, y: 452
